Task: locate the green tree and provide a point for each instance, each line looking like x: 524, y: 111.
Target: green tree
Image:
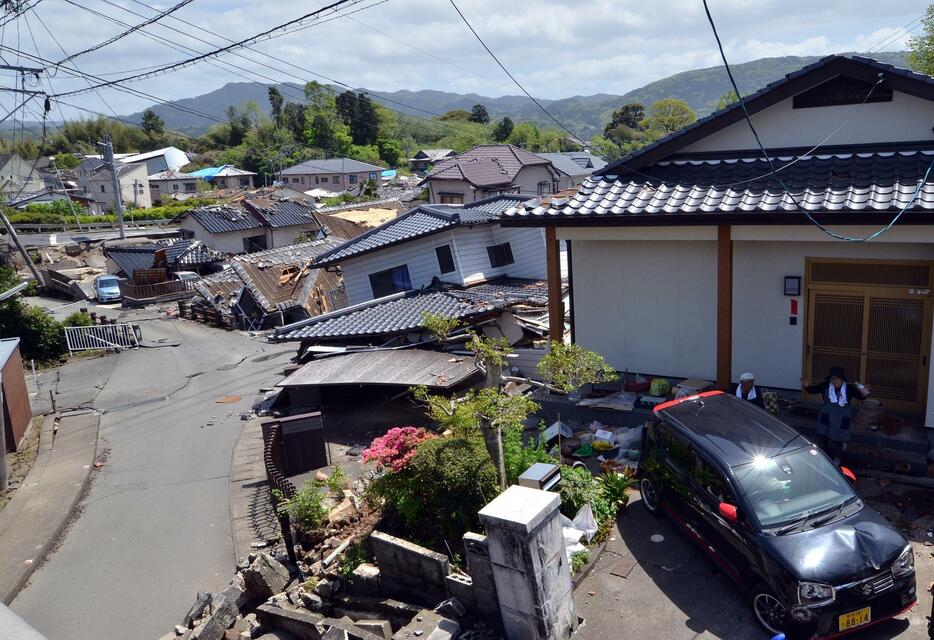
x: 275, y: 105
x: 153, y: 126
x: 503, y: 129
x: 365, y: 126
x: 668, y: 115
x: 606, y: 148
x: 293, y: 120
x: 628, y: 115
x: 921, y: 54
x: 455, y: 115
x: 241, y: 119
x: 728, y: 98
x: 65, y: 161
x: 390, y: 151
x: 525, y: 135
x: 479, y: 114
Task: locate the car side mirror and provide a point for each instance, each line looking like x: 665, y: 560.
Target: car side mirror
x: 849, y: 475
x: 730, y: 512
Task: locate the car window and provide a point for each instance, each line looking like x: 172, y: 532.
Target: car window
x: 713, y: 482
x: 678, y: 449
x: 788, y: 487
x: 107, y: 282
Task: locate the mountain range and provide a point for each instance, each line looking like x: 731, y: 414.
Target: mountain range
x: 585, y: 115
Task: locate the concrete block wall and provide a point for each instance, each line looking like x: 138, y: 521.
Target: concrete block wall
x: 410, y: 571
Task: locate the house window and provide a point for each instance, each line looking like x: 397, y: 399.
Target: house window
x: 153, y: 186
x: 500, y: 255
x: 451, y: 198
x: 221, y: 183
x: 103, y: 189
x: 544, y: 188
x: 390, y: 281
x: 190, y: 187
x: 337, y: 179
x: 303, y: 179
x: 373, y: 176
x: 316, y: 179
x: 244, y: 182
x: 352, y: 179
x: 294, y: 180
x: 254, y: 243
x: 324, y: 179
x: 175, y: 187
x: 445, y: 258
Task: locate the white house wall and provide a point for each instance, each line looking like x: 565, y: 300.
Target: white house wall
x: 474, y: 259
x: 529, y: 177
x: 228, y: 242
x: 905, y: 118
x: 647, y: 306
x: 528, y: 250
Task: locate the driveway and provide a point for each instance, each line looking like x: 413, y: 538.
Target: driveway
x: 675, y: 592
x: 154, y: 528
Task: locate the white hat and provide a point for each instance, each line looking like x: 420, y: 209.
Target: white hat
x: 747, y: 376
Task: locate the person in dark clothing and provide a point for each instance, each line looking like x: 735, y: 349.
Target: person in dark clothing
x: 800, y: 624
x: 836, y: 414
x: 747, y: 389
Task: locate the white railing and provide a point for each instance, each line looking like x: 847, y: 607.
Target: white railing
x: 104, y: 336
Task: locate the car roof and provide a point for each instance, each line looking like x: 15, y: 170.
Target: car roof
x: 734, y: 430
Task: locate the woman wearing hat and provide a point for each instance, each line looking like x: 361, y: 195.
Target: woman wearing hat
x: 833, y: 421
x: 747, y: 389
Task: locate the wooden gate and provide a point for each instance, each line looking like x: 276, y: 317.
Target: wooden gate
x: 874, y: 320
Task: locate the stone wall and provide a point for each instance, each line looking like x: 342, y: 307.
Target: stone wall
x: 409, y: 571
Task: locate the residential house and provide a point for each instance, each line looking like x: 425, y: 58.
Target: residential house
x: 690, y: 257
x: 226, y: 177
x: 424, y: 159
x: 18, y: 177
x: 458, y: 245
x: 132, y: 179
x: 488, y: 170
x: 224, y: 228
x: 573, y: 167
x: 167, y: 159
x: 49, y: 195
x: 281, y: 285
x: 170, y: 256
x: 369, y: 214
x: 332, y: 174
x: 168, y: 184
x: 17, y: 412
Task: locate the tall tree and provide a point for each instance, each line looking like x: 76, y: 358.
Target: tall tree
x: 241, y: 119
x: 668, y: 115
x: 630, y: 115
x: 275, y: 105
x: 153, y: 126
x: 479, y: 114
x: 503, y: 129
x: 365, y: 127
x: 456, y: 115
x: 921, y: 56
x: 347, y: 107
x: 293, y: 119
x: 728, y: 98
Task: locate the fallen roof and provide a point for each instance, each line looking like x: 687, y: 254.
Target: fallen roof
x: 172, y: 174
x: 223, y: 218
x: 402, y: 312
x: 177, y: 253
x: 331, y: 165
x: 687, y: 189
x: 398, y: 367
x: 422, y: 221
x: 485, y: 165
x: 282, y: 213
x: 432, y: 155
x: 218, y: 289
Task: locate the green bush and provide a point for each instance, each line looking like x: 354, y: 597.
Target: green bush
x: 578, y: 487
x: 355, y: 555
x: 606, y: 494
x: 578, y: 560
x: 519, y: 456
x: 306, y: 507
x: 78, y: 319
x: 42, y: 337
x: 337, y: 481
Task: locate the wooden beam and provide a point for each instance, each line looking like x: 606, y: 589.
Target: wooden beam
x: 555, y: 300
x: 724, y: 306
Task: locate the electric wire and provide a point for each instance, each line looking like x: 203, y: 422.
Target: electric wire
x: 768, y: 158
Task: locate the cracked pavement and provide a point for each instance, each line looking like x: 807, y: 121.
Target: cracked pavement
x: 154, y: 527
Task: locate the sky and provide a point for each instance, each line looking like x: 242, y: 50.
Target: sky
x: 556, y: 48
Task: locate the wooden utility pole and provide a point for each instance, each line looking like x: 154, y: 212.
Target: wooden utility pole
x: 19, y: 245
x: 107, y: 151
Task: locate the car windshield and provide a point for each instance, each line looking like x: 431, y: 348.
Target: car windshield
x: 107, y: 283
x: 787, y: 488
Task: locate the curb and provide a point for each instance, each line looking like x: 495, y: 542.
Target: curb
x: 55, y: 536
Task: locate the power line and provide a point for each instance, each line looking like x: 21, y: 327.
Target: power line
x: 768, y: 158
x: 512, y: 77
x: 124, y: 34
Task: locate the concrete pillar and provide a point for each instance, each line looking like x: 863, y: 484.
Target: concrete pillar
x: 477, y: 556
x: 533, y: 580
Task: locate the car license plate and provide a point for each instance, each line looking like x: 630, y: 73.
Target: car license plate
x: 855, y: 618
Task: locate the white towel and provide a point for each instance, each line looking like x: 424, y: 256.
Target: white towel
x: 834, y: 398
x: 752, y: 393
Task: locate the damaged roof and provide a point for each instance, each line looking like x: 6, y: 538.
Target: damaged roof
x: 422, y: 221
x: 485, y: 165
x: 177, y: 253
x: 281, y: 213
x: 402, y: 312
x: 219, y: 289
x: 397, y: 367
x: 222, y: 218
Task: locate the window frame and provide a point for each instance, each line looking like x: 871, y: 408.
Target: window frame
x: 500, y: 255
x: 383, y: 289
x: 449, y: 258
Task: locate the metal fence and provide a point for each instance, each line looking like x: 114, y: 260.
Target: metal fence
x: 104, y: 336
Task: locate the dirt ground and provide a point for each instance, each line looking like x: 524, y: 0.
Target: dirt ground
x: 20, y: 462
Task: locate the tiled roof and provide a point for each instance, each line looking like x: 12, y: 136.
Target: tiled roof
x: 574, y: 163
x: 331, y: 165
x: 282, y: 213
x: 419, y: 222
x: 219, y: 288
x: 432, y: 155
x: 842, y: 182
x: 172, y: 174
x: 402, y: 312
x: 359, y: 205
x: 485, y: 165
x: 179, y: 253
x: 222, y: 218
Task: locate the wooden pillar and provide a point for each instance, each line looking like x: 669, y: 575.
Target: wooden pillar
x: 724, y: 307
x: 555, y: 299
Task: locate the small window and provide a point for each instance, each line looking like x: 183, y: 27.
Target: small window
x: 303, y: 179
x: 103, y: 189
x: 373, y: 176
x: 500, y: 255
x: 294, y: 180
x: 324, y: 179
x: 544, y: 188
x: 244, y: 182
x: 390, y: 281
x: 445, y: 258
x: 316, y: 179
x: 352, y: 179
x: 337, y: 179
x: 451, y: 198
x: 154, y: 186
x: 190, y: 187
x: 175, y: 186
x: 254, y: 243
x: 222, y: 183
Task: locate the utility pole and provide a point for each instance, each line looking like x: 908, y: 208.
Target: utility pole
x: 107, y: 151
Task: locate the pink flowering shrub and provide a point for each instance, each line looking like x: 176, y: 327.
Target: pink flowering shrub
x: 395, y: 450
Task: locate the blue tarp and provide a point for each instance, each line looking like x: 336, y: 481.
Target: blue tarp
x: 208, y: 172
x: 388, y: 173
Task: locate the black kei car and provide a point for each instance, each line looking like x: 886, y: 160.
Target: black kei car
x: 774, y: 514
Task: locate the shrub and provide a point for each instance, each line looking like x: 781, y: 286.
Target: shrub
x: 306, y: 507
x: 578, y: 488
x: 397, y: 448
x: 42, y: 337
x: 78, y: 319
x: 519, y: 456
x: 568, y: 366
x: 578, y: 560
x: 606, y: 494
x: 355, y: 555
x: 337, y: 481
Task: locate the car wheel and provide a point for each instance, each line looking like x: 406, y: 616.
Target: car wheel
x: 768, y: 609
x: 649, y: 495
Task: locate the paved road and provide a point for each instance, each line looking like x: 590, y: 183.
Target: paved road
x: 64, y: 237
x: 155, y: 525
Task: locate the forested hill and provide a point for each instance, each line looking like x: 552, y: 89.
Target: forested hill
x: 700, y: 88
